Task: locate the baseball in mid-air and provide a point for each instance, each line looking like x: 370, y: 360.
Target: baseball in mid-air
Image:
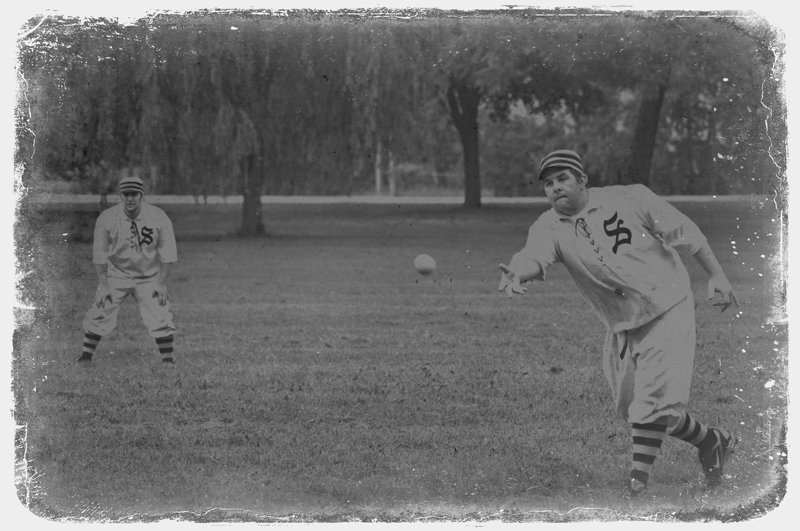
x: 424, y: 264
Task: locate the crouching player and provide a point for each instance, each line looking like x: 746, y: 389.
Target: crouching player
x: 134, y: 249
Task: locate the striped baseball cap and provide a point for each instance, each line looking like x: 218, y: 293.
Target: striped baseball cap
x: 561, y: 158
x: 131, y: 184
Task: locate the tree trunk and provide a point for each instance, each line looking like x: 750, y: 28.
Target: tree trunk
x: 252, y: 135
x: 644, y: 139
x: 378, y: 176
x: 707, y: 161
x: 392, y: 176
x: 252, y: 222
x: 463, y: 98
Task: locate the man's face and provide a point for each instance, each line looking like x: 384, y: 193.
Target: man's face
x: 132, y: 202
x: 565, y: 191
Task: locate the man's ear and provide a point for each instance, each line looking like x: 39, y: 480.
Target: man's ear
x: 583, y: 179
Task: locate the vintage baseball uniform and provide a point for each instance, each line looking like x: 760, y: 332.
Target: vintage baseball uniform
x: 134, y: 250
x: 622, y: 252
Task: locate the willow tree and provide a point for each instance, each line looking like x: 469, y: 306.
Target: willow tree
x: 391, y: 98
x: 243, y: 74
x: 84, y: 77
x: 209, y: 90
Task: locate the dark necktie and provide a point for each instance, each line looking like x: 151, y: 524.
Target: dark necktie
x: 135, y: 236
x: 584, y: 227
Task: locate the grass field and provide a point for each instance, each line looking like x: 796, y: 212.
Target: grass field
x: 319, y: 378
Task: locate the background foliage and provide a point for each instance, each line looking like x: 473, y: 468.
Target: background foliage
x: 332, y: 104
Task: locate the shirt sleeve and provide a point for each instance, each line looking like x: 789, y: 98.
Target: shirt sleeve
x: 101, y: 244
x: 538, y: 254
x: 666, y: 221
x: 167, y: 249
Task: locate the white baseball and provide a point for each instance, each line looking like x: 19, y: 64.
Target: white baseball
x: 424, y: 264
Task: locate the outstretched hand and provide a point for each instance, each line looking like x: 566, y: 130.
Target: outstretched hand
x: 720, y: 284
x: 509, y: 282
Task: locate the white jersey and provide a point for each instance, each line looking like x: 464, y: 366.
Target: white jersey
x: 620, y: 251
x: 134, y: 248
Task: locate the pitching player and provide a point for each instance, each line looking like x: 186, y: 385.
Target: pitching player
x: 134, y: 249
x: 622, y: 248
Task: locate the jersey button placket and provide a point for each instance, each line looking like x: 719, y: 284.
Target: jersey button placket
x: 598, y: 252
x: 584, y: 228
x: 608, y: 269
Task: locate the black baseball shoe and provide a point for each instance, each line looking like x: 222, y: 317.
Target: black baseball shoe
x: 168, y: 359
x: 713, y: 459
x: 85, y: 357
x: 636, y: 488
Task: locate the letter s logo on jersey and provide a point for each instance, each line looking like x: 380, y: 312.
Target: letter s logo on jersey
x: 621, y: 234
x: 147, y: 236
